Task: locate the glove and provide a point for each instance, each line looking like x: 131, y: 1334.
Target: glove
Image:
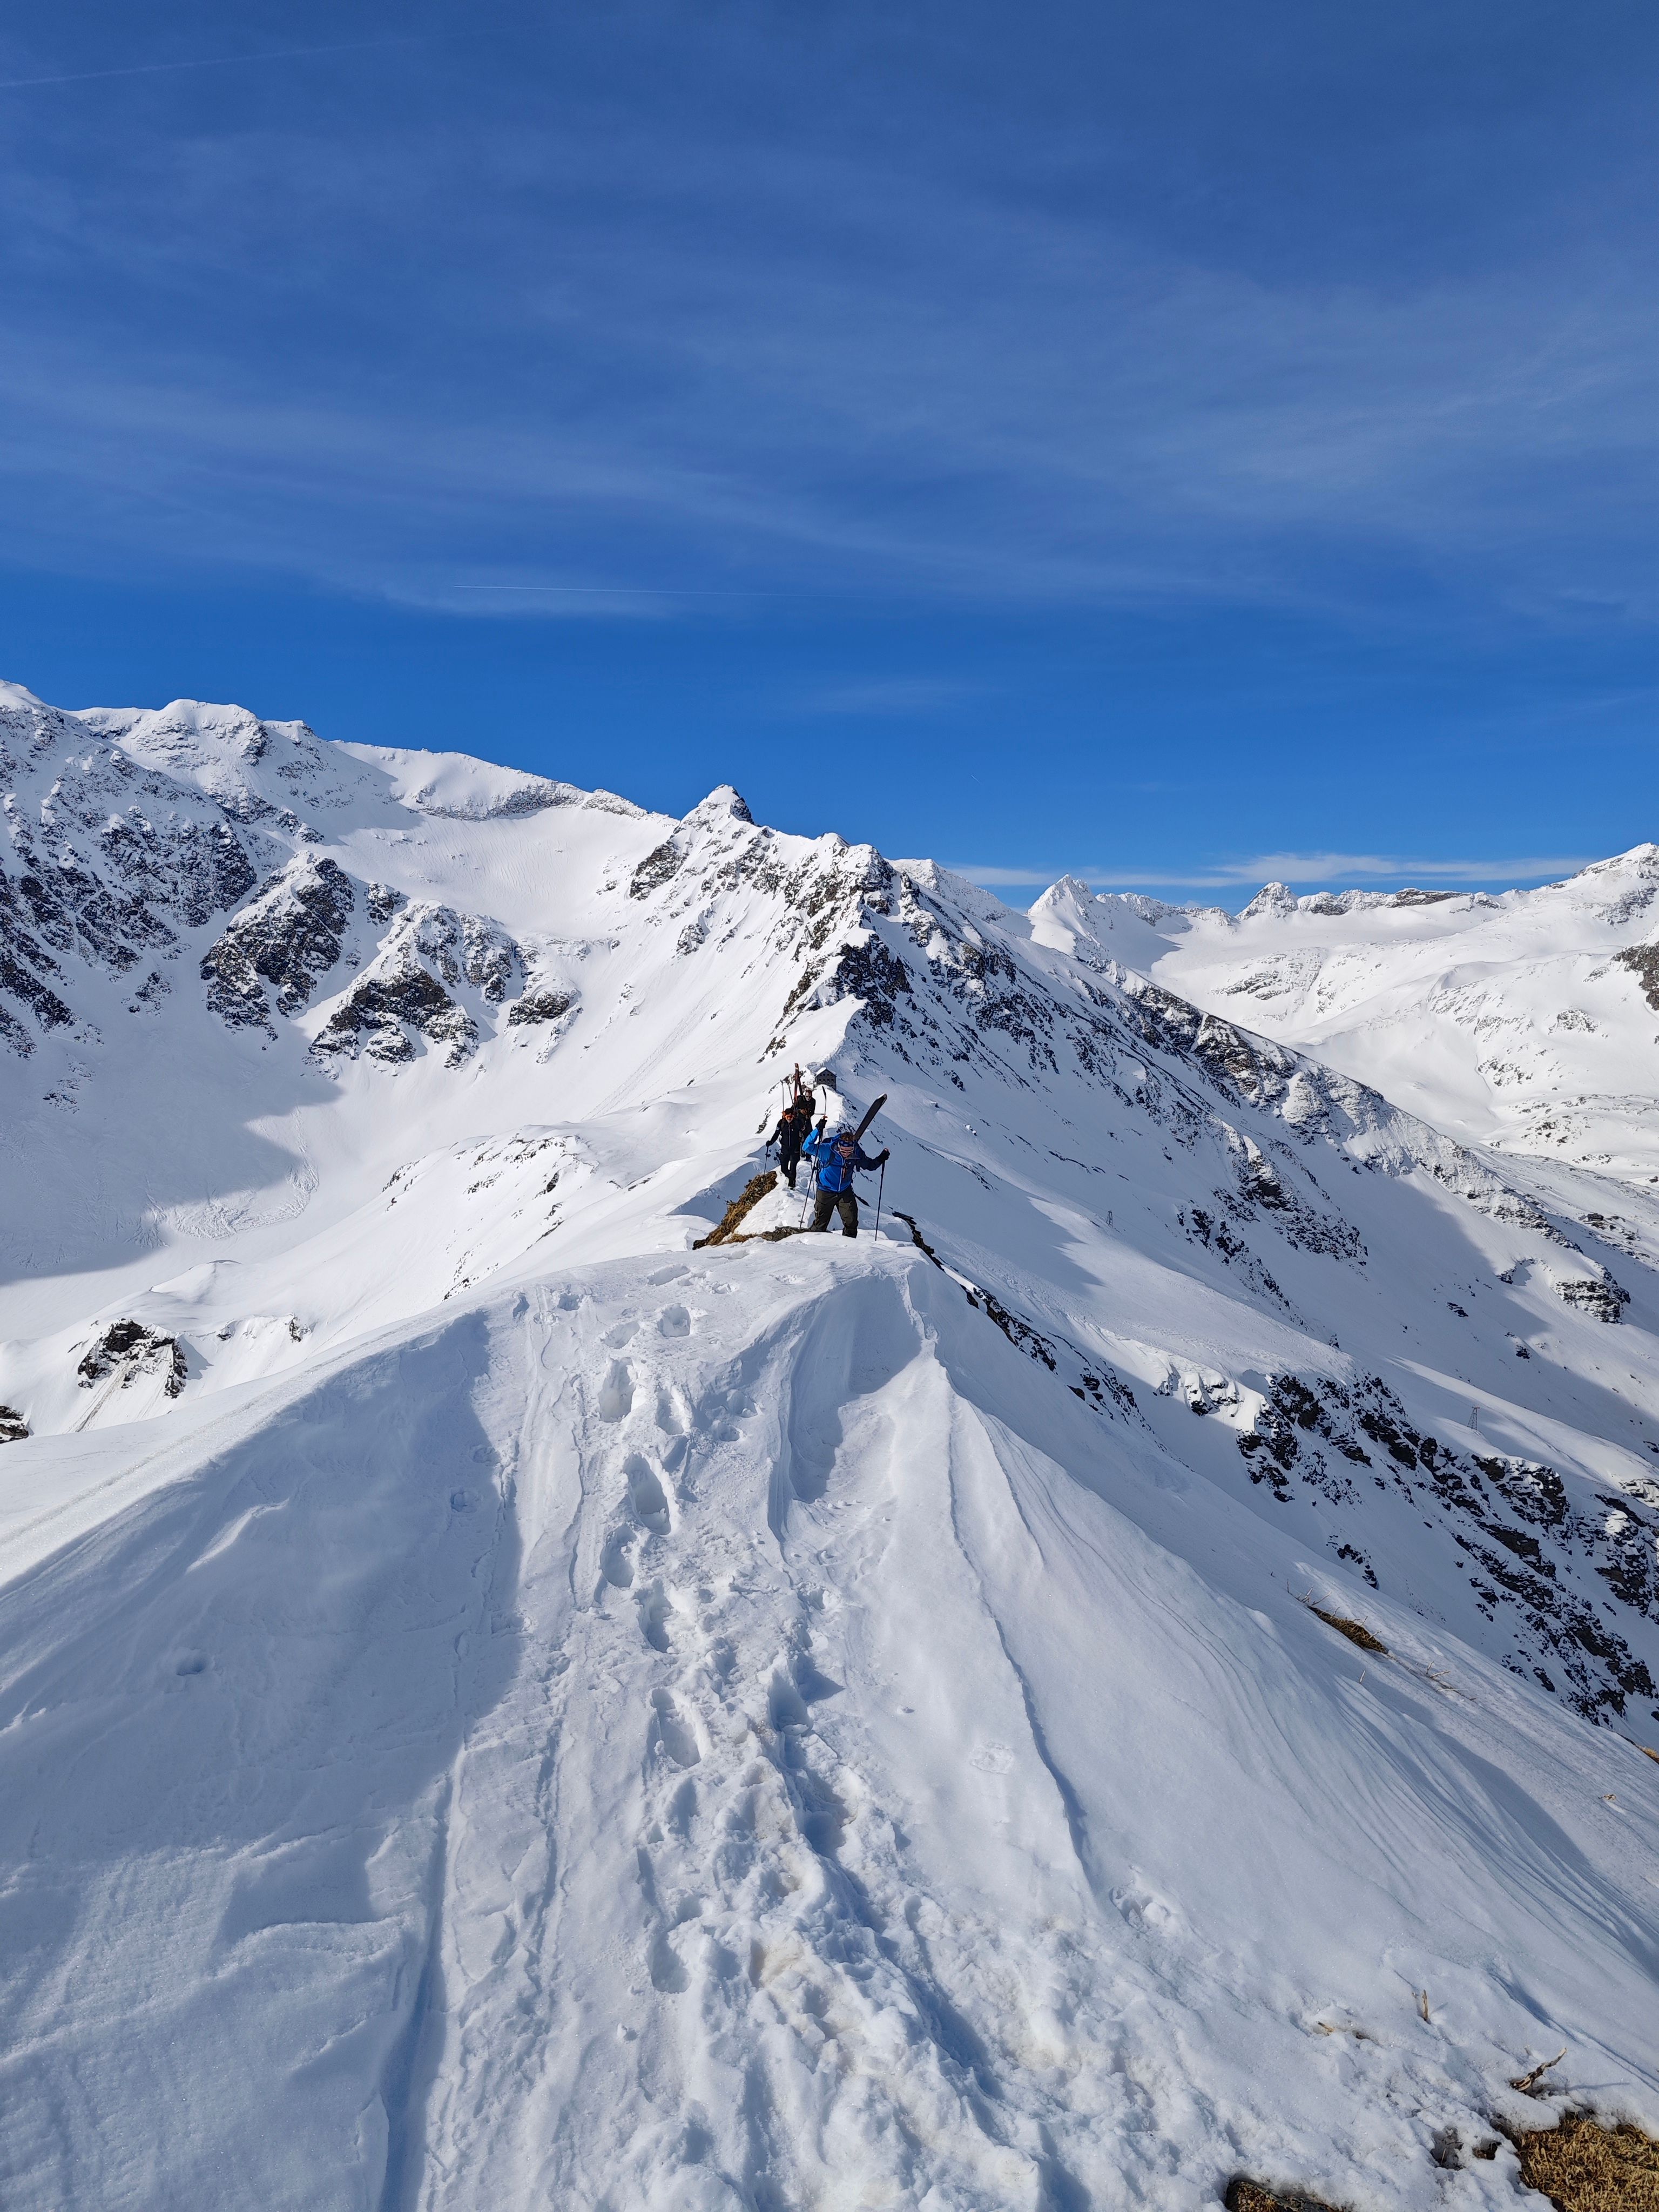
x: 883, y: 1155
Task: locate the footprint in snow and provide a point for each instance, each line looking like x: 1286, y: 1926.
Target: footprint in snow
x: 675, y: 1321
x: 671, y: 1731
x: 616, y: 1393
x: 645, y: 1494
x: 824, y: 1815
x: 681, y: 1810
x: 668, y: 1972
x: 991, y: 1758
x: 653, y: 1616
x: 668, y: 1976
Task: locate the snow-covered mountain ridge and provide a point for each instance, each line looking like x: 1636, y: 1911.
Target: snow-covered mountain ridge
x: 1527, y: 1021
x: 516, y: 1708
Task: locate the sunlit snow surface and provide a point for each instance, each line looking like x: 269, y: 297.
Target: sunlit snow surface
x: 1511, y: 1020
x: 546, y: 1714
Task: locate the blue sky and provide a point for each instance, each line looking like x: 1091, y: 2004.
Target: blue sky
x: 1178, y: 445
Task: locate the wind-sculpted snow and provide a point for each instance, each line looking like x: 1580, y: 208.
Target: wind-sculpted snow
x: 750, y: 1748
x: 504, y: 1707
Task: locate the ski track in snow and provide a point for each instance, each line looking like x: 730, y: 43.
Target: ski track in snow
x: 541, y: 1714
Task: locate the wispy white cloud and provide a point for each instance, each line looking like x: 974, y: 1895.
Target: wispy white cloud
x: 894, y: 697
x: 1315, y: 870
x: 954, y: 394
x: 207, y: 62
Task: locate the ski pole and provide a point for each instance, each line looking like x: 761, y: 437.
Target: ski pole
x: 881, y: 1190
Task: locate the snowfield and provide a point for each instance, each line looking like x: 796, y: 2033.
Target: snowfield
x: 507, y: 1703
x: 1527, y: 1022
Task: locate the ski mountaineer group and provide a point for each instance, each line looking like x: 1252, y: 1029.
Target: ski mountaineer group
x: 836, y: 1157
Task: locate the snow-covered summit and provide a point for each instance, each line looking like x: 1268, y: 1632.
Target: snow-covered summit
x: 723, y: 803
x: 510, y: 1701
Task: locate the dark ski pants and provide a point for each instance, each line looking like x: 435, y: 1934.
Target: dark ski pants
x: 789, y: 1144
x: 837, y: 1201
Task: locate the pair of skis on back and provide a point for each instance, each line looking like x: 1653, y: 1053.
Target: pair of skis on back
x: 869, y: 1117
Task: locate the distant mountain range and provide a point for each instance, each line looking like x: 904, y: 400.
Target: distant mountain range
x: 1527, y: 1021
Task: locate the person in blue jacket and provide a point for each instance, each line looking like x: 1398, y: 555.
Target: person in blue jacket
x: 838, y: 1159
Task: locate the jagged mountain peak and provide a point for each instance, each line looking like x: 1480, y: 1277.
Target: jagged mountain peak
x: 1068, y: 891
x: 1641, y: 860
x: 723, y: 803
x: 1276, y: 899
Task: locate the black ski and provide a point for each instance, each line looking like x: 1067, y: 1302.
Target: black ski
x: 869, y: 1117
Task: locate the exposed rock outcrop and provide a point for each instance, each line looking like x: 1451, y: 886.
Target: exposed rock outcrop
x: 408, y: 990
x: 288, y: 936
x: 539, y: 1006
x: 1643, y: 961
x: 1526, y: 1539
x: 109, y: 860
x: 127, y: 1349
x: 377, y: 1013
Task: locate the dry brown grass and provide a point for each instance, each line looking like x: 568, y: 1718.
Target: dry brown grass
x: 1244, y: 2196
x: 1355, y: 1630
x: 746, y: 1200
x: 1584, y: 2165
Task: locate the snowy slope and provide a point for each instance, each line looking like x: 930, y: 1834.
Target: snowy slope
x: 1528, y: 1021
x: 502, y: 1706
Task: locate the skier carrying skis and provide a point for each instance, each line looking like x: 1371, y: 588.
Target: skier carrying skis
x: 793, y: 1128
x: 839, y: 1159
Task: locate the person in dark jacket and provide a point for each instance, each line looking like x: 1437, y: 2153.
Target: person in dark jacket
x: 838, y: 1159
x: 792, y: 1132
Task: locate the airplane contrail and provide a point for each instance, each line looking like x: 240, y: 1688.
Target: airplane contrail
x: 213, y: 61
